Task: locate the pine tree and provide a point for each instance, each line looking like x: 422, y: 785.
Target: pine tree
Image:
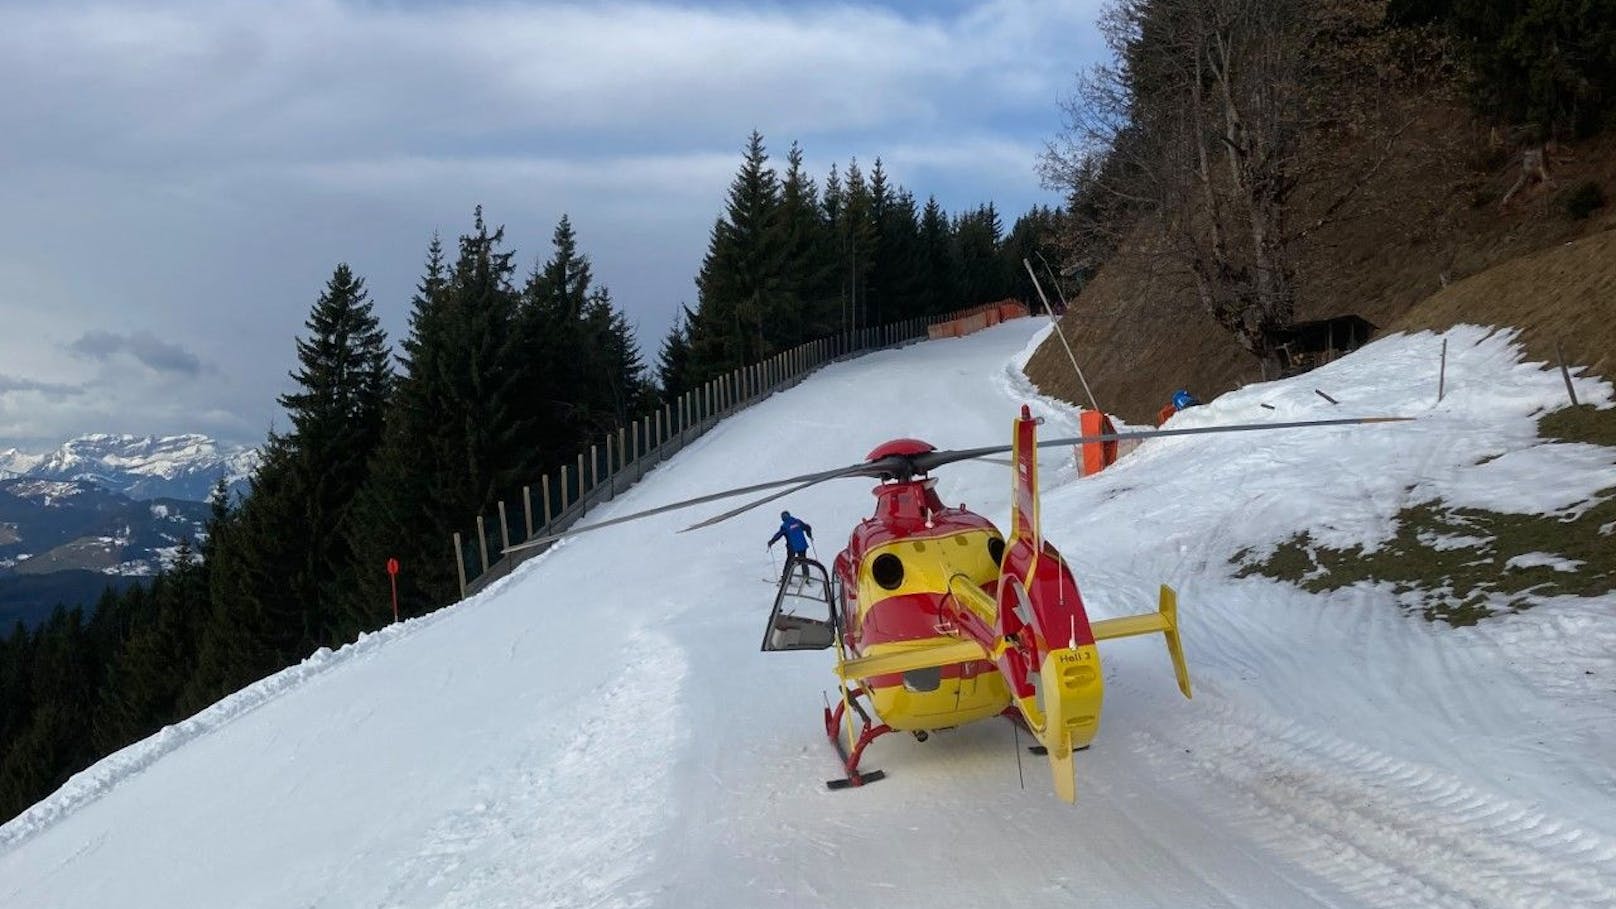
x: 855, y: 238
x: 1032, y: 239
x: 983, y: 275
x: 561, y: 353
x: 940, y: 288
x: 616, y: 382
x: 457, y: 438
x: 741, y: 284
x: 391, y: 519
x: 896, y: 283
x: 809, y: 262
x: 673, y: 359
x: 289, y: 558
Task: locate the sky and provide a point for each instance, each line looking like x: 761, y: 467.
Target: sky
x: 179, y: 179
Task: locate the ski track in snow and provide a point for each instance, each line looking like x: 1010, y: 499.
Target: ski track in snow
x: 599, y: 730
x: 1390, y: 832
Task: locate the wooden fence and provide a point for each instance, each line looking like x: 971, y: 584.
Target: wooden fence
x: 620, y: 459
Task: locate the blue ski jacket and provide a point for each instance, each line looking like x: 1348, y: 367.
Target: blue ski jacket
x: 796, y: 531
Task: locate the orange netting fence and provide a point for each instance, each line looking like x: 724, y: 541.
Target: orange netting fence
x: 977, y: 318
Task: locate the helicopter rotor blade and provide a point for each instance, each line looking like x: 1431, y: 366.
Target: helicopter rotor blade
x: 904, y: 466
x: 806, y: 479
x: 869, y: 469
x: 934, y: 459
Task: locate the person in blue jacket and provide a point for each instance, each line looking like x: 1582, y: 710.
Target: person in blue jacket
x: 796, y: 533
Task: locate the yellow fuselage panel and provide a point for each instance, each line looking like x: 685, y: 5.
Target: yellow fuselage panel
x: 959, y: 698
x: 928, y: 564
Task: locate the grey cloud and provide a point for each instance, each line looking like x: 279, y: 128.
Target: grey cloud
x: 189, y: 144
x: 50, y: 389
x: 157, y: 354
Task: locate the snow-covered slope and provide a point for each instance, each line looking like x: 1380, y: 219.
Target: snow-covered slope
x: 599, y: 729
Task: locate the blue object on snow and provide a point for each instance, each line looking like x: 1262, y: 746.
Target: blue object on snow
x: 1183, y: 399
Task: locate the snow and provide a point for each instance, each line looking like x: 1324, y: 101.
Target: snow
x: 16, y: 463
x: 1543, y: 560
x: 183, y: 466
x: 598, y: 729
x: 45, y: 492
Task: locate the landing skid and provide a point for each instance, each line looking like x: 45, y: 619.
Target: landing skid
x: 869, y: 731
x: 1041, y: 750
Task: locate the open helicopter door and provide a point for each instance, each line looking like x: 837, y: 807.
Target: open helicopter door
x: 804, y: 616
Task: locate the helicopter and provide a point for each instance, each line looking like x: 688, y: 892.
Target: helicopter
x: 938, y: 619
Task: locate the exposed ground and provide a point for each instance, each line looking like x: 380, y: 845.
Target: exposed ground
x: 1430, y: 247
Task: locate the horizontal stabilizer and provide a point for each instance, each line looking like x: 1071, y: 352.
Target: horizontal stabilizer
x: 1164, y: 620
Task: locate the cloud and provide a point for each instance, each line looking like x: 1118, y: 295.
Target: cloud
x: 49, y: 389
x: 156, y: 354
x: 195, y: 169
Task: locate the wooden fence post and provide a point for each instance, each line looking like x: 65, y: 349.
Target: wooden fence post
x: 482, y: 543
x: 564, y: 484
x: 594, y: 464
x: 460, y: 564
x: 544, y: 486
x: 527, y: 511
x: 504, y: 531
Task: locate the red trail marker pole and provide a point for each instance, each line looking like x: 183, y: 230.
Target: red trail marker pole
x: 392, y: 575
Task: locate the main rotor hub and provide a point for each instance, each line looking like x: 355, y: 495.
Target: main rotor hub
x: 899, y: 455
x: 900, y: 447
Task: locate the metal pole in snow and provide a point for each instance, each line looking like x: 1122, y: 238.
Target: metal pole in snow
x: 1442, y: 373
x: 1060, y: 334
x: 1565, y: 374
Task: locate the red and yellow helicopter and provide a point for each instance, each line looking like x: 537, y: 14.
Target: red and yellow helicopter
x: 939, y: 620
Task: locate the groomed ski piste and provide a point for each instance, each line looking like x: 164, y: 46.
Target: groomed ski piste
x: 599, y: 729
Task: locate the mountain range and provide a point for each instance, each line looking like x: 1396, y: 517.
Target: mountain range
x: 140, y: 467
x: 103, y: 510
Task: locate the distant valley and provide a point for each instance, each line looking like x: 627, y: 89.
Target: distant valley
x: 103, y: 510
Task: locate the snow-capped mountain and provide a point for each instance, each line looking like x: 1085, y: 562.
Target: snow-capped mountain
x: 15, y: 463
x: 140, y: 467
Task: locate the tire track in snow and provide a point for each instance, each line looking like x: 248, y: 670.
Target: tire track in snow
x: 559, y: 829
x: 1385, y: 830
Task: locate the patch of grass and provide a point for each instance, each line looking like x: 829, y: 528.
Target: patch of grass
x: 1461, y: 585
x: 1579, y: 424
x: 1466, y: 580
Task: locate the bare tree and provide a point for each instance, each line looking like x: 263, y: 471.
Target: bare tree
x: 1196, y: 133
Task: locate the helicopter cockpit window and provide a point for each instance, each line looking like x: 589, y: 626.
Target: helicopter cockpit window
x: 887, y: 569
